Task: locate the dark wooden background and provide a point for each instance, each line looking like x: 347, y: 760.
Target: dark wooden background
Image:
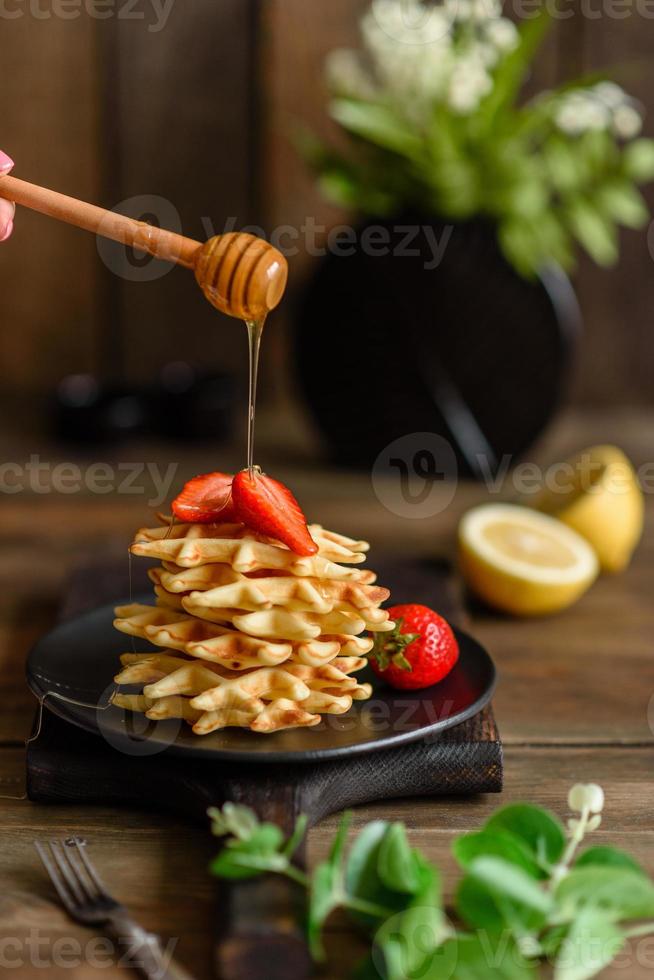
x: 201, y: 113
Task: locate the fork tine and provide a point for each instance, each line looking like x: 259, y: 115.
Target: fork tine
x: 90, y: 870
x: 55, y: 876
x: 86, y: 884
x: 70, y: 876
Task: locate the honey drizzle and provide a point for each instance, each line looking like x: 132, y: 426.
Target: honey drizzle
x: 255, y: 331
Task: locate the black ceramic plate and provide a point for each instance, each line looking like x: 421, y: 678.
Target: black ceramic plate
x: 79, y: 658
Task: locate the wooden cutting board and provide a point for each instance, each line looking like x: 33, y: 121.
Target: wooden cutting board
x: 258, y: 932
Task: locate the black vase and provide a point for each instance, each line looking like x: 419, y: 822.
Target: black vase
x: 433, y: 332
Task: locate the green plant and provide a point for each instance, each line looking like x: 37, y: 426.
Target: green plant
x: 431, y: 106
x: 526, y: 897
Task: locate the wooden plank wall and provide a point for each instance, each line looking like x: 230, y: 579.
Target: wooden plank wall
x: 48, y: 124
x: 109, y: 110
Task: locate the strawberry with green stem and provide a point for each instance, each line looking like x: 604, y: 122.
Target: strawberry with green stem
x: 419, y: 652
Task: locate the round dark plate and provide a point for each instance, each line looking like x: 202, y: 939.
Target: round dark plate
x: 79, y: 658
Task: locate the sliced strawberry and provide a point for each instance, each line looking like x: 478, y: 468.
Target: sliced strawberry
x: 206, y: 499
x: 268, y: 507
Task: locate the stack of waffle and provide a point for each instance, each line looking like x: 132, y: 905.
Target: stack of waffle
x: 251, y: 635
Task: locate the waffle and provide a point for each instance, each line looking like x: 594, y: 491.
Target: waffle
x: 164, y: 627
x: 210, y: 698
x: 249, y: 634
x: 190, y: 545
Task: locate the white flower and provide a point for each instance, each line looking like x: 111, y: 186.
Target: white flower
x: 610, y: 93
x: 459, y: 10
x: 484, y: 10
x: 502, y: 34
x: 627, y: 122
x: 407, y: 22
x: 588, y: 796
x: 468, y: 85
x: 567, y: 119
x: 409, y: 48
x: 595, y: 115
x: 579, y: 112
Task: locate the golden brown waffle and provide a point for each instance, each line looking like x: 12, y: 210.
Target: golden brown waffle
x: 210, y: 698
x: 276, y: 716
x: 209, y: 641
x: 189, y: 545
x: 251, y: 634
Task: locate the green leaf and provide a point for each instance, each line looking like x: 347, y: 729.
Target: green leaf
x: 266, y: 838
x: 498, y: 843
x: 512, y: 70
x: 362, y: 878
x: 327, y: 889
x: 466, y: 957
x: 554, y: 239
x: 234, y: 819
x: 496, y: 895
x: 618, y: 891
x: 324, y: 897
x: 476, y: 906
x: 378, y: 124
x: 611, y: 857
x: 591, y: 944
x: 296, y: 838
x: 595, y: 232
x: 538, y: 829
x: 408, y: 939
x: 621, y: 202
x: 552, y: 940
x: 638, y: 160
x: 338, y: 846
x: 598, y: 151
x: 508, y: 882
x: 564, y: 165
x: 396, y: 864
x: 228, y: 865
x: 520, y: 247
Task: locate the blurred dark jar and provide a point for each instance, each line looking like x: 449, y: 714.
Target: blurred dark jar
x: 423, y: 326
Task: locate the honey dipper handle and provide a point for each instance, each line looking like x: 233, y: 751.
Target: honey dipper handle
x: 155, y: 241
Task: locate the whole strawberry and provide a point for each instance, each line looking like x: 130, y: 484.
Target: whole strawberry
x: 420, y: 652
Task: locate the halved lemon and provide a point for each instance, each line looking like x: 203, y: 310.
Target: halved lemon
x: 524, y: 562
x: 598, y: 495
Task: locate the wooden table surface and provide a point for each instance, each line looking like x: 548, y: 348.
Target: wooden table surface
x: 573, y: 704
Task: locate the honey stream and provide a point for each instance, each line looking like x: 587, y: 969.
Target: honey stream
x: 255, y: 331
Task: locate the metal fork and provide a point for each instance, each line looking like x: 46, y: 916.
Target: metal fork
x: 86, y: 899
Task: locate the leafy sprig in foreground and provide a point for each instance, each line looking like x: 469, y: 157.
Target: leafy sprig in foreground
x: 526, y: 896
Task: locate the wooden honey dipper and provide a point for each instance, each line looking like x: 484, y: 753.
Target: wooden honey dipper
x: 239, y: 274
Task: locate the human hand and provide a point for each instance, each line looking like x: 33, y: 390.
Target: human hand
x: 7, y: 209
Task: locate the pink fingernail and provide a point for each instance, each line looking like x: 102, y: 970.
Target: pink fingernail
x: 6, y: 163
x: 8, y: 231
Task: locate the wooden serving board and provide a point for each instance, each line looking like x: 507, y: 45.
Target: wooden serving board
x: 259, y: 935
